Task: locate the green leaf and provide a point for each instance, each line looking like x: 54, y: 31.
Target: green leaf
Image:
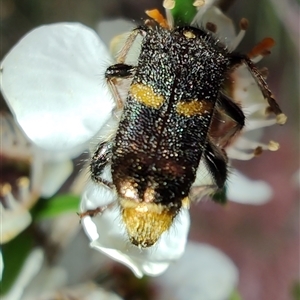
x: 49, y: 208
x: 14, y: 254
x: 235, y: 296
x: 296, y: 291
x: 183, y: 12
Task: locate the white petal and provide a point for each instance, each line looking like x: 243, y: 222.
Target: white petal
x: 153, y: 261
x: 13, y: 142
x: 208, y: 13
x: 203, y: 184
x: 246, y: 90
x: 246, y: 191
x: 48, y: 280
x: 83, y: 291
x: 203, y: 272
x: 1, y: 265
x: 53, y: 81
x: 30, y: 268
x: 202, y: 10
x: 108, y: 235
x: 54, y: 175
x: 96, y: 195
x: 225, y: 28
x: 13, y: 221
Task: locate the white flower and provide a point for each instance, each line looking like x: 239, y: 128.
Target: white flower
x: 247, y: 93
x: 46, y: 173
x: 1, y: 265
x: 203, y: 272
x: 49, y: 144
x: 37, y: 280
x: 240, y: 189
x: 53, y: 81
x: 31, y: 267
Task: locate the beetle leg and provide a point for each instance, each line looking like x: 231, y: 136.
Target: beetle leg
x: 113, y: 75
x: 100, y: 159
x: 129, y: 42
x: 96, y: 211
x: 232, y: 110
x: 216, y: 161
x: 121, y: 70
x: 238, y: 59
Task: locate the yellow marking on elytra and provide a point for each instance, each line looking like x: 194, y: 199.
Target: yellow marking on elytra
x: 145, y: 222
x: 189, y: 34
x: 145, y: 94
x: 194, y: 107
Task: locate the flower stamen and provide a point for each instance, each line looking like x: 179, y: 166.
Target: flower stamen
x: 158, y: 17
x: 281, y: 119
x: 241, y: 149
x: 211, y: 27
x: 14, y: 216
x: 273, y: 146
x: 198, y: 3
x: 23, y: 184
x: 262, y: 48
x: 169, y: 4
x: 243, y: 27
x: 5, y: 190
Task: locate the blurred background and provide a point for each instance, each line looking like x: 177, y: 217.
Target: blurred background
x: 263, y: 241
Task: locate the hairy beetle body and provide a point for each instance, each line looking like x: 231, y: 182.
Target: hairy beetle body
x: 170, y: 125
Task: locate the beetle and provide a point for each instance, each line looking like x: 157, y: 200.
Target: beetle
x: 165, y: 131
